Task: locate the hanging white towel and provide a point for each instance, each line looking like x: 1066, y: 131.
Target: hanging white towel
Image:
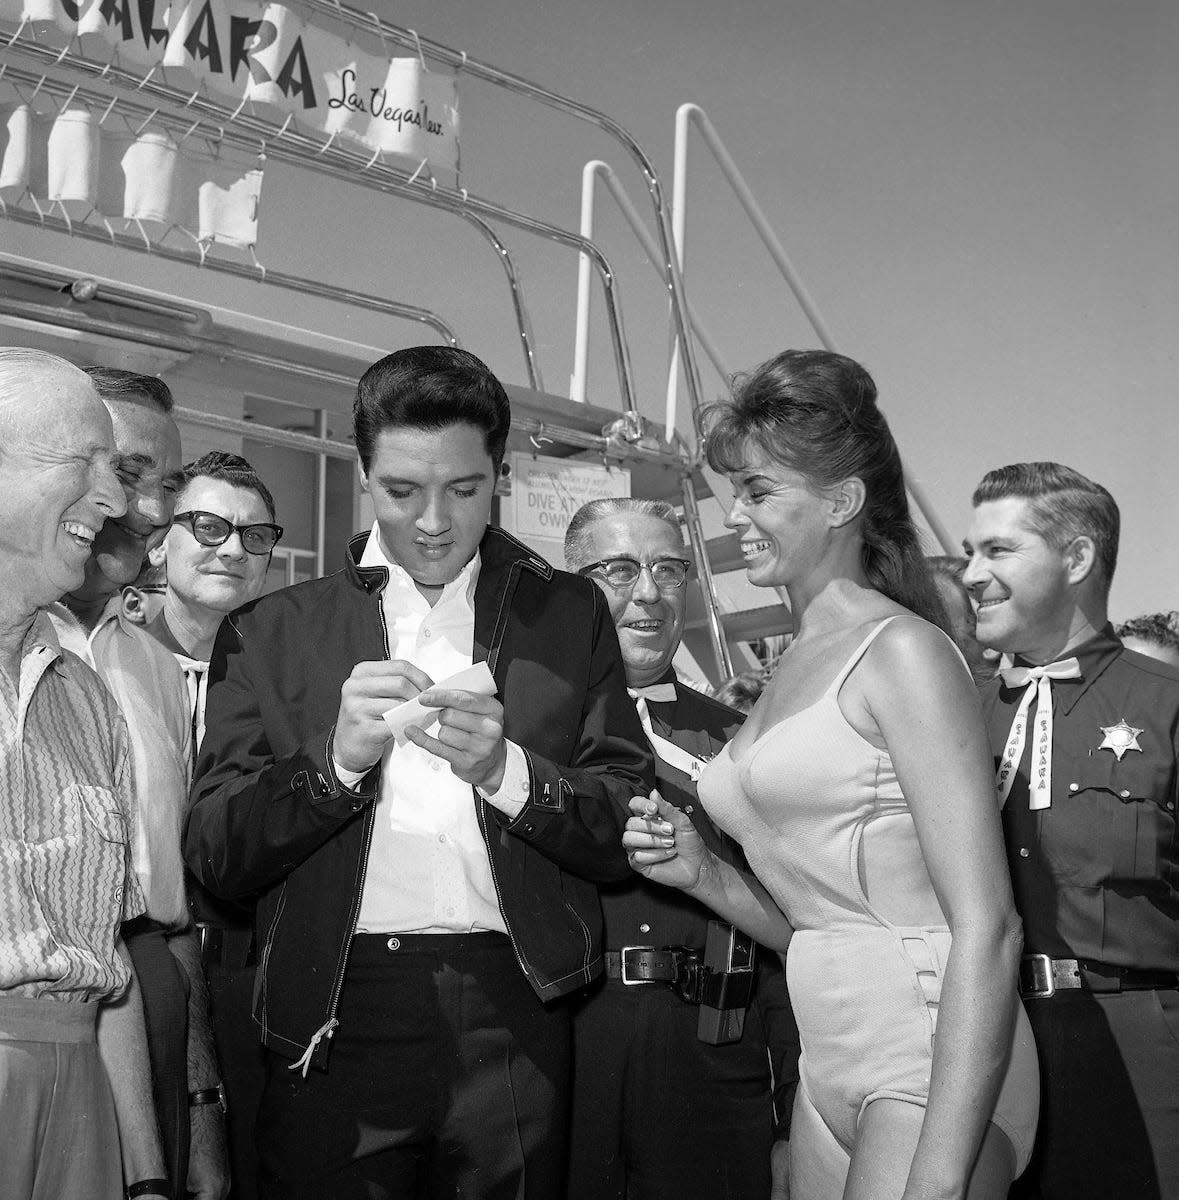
x: 151, y: 167
x: 16, y: 152
x: 73, y: 158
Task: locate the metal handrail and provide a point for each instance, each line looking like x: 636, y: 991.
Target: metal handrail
x: 692, y: 114
x: 593, y: 171
x: 294, y: 283
x: 523, y: 324
x: 286, y: 144
x: 459, y: 60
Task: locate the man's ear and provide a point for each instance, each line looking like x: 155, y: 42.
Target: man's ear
x: 158, y: 555
x: 1080, y: 558
x: 133, y: 606
x: 847, y: 501
x: 363, y: 474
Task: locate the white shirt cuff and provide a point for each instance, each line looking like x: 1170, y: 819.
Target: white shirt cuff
x: 348, y: 778
x: 514, y: 789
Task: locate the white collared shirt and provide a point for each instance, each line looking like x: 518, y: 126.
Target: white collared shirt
x: 428, y: 870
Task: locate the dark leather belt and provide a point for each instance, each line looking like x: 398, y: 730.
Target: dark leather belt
x: 644, y: 964
x: 1041, y: 976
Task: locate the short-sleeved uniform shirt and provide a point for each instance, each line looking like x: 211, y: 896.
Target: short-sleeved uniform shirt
x: 1096, y: 874
x: 66, y: 808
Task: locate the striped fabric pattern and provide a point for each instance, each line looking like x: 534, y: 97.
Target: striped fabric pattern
x: 66, y: 807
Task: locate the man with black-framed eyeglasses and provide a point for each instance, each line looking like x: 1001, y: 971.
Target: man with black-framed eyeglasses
x: 217, y: 554
x: 639, y: 1049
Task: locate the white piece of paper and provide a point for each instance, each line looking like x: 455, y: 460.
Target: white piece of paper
x: 475, y: 679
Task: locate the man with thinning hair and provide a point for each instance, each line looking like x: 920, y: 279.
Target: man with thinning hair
x: 1154, y: 634
x: 425, y: 889
x: 149, y: 689
x: 638, y: 1053
x: 66, y: 810
x: 1086, y: 741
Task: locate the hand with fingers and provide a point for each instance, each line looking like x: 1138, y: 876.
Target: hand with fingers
x: 470, y: 736
x: 662, y: 844
x: 372, y: 689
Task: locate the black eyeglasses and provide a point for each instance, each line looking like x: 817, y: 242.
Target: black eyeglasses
x: 211, y: 530
x: 667, y: 573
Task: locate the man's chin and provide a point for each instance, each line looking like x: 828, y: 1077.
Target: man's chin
x: 106, y: 571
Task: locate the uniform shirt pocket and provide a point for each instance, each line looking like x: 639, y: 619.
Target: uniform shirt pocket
x: 1122, y: 807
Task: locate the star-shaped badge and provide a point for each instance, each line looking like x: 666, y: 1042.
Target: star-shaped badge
x: 1119, y: 738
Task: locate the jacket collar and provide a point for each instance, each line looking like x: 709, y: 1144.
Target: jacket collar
x: 498, y: 552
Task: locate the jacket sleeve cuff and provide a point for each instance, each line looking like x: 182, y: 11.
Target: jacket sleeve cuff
x: 515, y: 787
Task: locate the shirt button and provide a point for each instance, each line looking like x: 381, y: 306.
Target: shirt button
x: 442, y: 838
x: 425, y: 633
x: 1170, y: 806
x: 644, y: 928
x: 393, y: 944
x: 1125, y: 793
x: 1074, y: 787
x: 1023, y: 852
x: 435, y: 765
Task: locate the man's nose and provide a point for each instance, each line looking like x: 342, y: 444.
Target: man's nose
x: 108, y: 491
x: 434, y: 516
x: 645, y: 590
x: 233, y: 547
x: 973, y: 576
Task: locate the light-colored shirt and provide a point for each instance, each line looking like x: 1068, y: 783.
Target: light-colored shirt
x: 151, y: 693
x: 428, y: 869
x: 66, y: 810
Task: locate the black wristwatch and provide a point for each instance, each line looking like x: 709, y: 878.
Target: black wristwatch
x: 210, y: 1095
x: 149, y: 1187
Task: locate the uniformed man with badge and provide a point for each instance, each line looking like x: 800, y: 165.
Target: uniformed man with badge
x: 672, y: 1084
x: 1086, y: 738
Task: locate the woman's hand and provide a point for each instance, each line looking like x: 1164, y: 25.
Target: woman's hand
x: 662, y: 844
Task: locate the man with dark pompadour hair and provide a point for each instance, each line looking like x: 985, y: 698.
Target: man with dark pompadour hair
x: 425, y: 898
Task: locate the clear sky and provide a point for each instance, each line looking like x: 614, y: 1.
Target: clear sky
x: 982, y: 195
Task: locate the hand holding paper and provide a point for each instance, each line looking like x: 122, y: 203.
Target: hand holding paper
x: 476, y: 679
x: 470, y: 734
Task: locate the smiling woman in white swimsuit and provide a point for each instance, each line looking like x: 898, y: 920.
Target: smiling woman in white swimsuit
x: 862, y: 791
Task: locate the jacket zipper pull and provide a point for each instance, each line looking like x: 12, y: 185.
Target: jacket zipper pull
x: 304, y: 1063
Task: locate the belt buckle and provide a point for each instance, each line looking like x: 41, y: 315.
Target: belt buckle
x: 1039, y: 967
x: 627, y: 981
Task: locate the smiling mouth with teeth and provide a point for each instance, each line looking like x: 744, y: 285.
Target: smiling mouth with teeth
x: 749, y: 549
x: 79, y: 531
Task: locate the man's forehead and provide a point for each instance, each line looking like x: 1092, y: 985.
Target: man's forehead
x: 633, y: 534
x: 1009, y: 516
x: 223, y: 498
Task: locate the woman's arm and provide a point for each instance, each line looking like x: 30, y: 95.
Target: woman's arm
x: 662, y: 845
x: 932, y: 725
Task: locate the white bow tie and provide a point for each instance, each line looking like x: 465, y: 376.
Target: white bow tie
x: 661, y: 693
x: 1038, y: 681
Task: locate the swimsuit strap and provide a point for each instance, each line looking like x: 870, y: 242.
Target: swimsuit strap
x: 857, y: 655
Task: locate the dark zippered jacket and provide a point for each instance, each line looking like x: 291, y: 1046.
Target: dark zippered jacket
x: 267, y: 817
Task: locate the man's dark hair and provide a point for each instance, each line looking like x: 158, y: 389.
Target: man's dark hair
x: 231, y: 469
x: 430, y: 387
x: 1064, y: 506
x: 116, y: 385
x: 1160, y: 629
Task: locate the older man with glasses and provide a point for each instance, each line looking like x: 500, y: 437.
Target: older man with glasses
x: 654, y: 1042
x: 217, y: 554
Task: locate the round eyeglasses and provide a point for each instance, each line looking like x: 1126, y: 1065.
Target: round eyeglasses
x: 211, y: 530
x: 667, y: 573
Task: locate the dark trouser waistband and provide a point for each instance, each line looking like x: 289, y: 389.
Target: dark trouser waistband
x: 389, y: 945
x: 23, y: 1019
x: 1041, y: 976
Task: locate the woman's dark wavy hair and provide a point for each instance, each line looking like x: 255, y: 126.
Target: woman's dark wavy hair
x: 815, y: 412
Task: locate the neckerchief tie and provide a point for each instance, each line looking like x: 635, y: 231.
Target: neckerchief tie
x: 1038, y: 682
x: 669, y: 752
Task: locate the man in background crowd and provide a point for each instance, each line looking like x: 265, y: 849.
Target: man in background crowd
x: 1155, y: 634
x: 75, y: 1112
x: 639, y: 1060
x: 150, y: 692
x: 214, y: 560
x: 1086, y: 741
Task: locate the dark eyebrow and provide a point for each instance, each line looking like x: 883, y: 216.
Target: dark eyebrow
x: 175, y: 478
x: 136, y: 460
